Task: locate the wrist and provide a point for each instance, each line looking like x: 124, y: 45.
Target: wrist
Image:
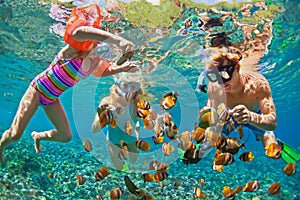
x: 250, y: 117
x: 121, y: 68
x: 254, y: 118
x: 124, y: 67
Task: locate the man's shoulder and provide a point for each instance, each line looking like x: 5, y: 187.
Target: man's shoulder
x: 252, y: 75
x: 257, y: 82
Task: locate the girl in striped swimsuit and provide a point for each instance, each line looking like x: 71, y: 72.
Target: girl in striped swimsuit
x: 71, y: 65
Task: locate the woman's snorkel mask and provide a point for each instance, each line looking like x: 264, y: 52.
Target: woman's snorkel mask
x: 127, y: 89
x: 216, y: 74
x: 127, y: 85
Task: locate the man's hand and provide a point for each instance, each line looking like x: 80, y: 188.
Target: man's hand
x: 241, y: 114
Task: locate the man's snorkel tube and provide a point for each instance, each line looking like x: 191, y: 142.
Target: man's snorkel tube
x: 211, y: 75
x: 200, y: 86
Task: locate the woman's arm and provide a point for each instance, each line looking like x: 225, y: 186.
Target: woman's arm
x: 95, y: 125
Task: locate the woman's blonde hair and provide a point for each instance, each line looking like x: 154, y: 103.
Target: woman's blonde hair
x: 138, y: 78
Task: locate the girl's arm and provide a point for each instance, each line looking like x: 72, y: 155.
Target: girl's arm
x: 89, y: 33
x: 106, y: 69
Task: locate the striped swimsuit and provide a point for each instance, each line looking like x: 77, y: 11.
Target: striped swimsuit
x: 61, y: 75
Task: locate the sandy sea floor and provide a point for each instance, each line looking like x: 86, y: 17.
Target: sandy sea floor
x: 25, y: 176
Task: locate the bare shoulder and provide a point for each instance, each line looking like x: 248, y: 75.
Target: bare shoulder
x: 216, y: 94
x: 254, y: 76
x: 256, y: 82
x: 106, y: 100
x: 68, y: 52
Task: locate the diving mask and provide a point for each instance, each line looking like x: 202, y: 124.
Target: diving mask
x: 221, y: 75
x: 226, y: 72
x: 125, y: 87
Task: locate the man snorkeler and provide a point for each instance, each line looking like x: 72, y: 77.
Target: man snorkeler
x: 247, y: 95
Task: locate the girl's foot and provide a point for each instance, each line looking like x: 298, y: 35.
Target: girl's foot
x: 4, y: 142
x: 37, y: 146
x: 2, y: 160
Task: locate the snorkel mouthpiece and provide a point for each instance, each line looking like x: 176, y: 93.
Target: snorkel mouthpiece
x: 203, y: 88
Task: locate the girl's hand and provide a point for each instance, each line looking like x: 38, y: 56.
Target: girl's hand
x: 130, y: 67
x: 127, y: 47
x: 241, y: 114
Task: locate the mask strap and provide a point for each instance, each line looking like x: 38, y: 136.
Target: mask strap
x: 119, y: 90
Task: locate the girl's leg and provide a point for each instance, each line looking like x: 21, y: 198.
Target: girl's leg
x: 27, y: 107
x: 57, y: 116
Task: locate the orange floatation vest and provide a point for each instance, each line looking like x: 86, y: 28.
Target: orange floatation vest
x: 88, y: 15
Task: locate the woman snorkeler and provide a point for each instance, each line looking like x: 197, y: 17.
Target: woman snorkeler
x: 124, y: 96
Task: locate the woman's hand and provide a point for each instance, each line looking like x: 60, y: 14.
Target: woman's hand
x: 241, y: 114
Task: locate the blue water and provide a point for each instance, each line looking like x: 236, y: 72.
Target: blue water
x: 27, y: 47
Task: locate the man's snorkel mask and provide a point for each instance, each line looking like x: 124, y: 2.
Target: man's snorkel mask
x: 221, y: 75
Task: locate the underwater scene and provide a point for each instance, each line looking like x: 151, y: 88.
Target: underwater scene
x: 156, y: 132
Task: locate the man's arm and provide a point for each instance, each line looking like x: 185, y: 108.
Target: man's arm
x: 266, y: 120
